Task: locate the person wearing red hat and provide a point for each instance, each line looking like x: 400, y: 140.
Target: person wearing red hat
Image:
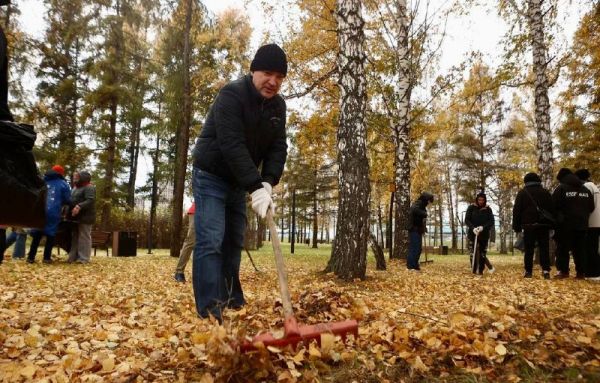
x: 59, y: 195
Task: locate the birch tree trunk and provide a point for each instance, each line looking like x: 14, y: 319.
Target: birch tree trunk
x: 183, y: 137
x: 542, y: 103
x: 402, y: 135
x: 349, y: 254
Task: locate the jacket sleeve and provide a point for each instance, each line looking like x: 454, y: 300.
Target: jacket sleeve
x: 516, y: 213
x: 232, y: 140
x: 557, y: 202
x: 89, y: 197
x: 490, y: 221
x: 274, y: 162
x: 591, y: 205
x: 66, y: 194
x: 468, y: 217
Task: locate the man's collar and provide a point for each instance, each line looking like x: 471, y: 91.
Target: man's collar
x: 253, y: 91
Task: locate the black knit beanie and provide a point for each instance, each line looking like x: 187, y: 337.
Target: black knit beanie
x: 270, y: 57
x: 583, y: 174
x: 562, y: 173
x: 531, y: 177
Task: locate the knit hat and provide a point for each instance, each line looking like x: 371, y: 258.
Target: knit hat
x: 562, y: 173
x: 270, y: 57
x: 59, y: 169
x: 531, y: 177
x: 583, y: 174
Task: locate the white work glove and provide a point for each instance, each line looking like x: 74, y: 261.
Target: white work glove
x: 269, y: 188
x: 477, y: 230
x: 261, y: 201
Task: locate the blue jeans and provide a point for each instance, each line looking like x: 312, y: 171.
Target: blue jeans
x: 19, y: 240
x: 414, y: 249
x: 220, y: 221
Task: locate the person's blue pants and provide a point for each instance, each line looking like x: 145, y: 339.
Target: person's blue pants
x: 220, y: 221
x: 19, y: 240
x: 414, y: 249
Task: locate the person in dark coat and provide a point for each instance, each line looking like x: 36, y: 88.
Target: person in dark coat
x: 573, y: 203
x: 59, y: 195
x: 241, y: 149
x: 479, y: 219
x: 526, y: 218
x: 417, y: 216
x: 83, y: 212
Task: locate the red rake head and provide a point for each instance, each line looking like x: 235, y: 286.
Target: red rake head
x: 295, y: 334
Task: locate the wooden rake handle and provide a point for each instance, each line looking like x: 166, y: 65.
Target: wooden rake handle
x: 290, y: 321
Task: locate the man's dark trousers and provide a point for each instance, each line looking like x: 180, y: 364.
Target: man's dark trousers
x: 592, y: 264
x: 414, y: 249
x: 531, y: 235
x: 571, y: 240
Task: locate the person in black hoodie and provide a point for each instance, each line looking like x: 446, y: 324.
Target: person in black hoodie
x: 573, y: 203
x: 526, y: 217
x: 241, y: 149
x: 479, y: 218
x: 416, y: 228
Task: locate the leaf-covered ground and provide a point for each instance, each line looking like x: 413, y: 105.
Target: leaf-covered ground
x: 125, y: 319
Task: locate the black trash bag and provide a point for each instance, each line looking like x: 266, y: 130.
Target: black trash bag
x: 22, y: 190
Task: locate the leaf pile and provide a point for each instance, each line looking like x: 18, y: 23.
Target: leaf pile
x: 125, y: 319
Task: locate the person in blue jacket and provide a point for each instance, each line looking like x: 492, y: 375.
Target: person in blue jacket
x: 59, y: 195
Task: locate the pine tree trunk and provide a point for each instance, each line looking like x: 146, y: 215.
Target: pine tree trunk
x: 402, y: 134
x: 315, y: 230
x: 502, y: 214
x: 183, y: 136
x: 133, y: 152
x: 110, y: 168
x: 380, y: 263
x: 441, y: 219
x: 111, y: 151
x: 349, y: 255
x: 451, y: 214
x: 154, y: 197
x: 542, y: 103
x: 293, y: 225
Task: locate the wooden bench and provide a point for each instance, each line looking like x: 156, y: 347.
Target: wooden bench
x: 101, y: 239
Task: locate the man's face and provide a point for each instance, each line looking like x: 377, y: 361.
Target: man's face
x: 267, y: 83
x: 75, y: 177
x: 480, y: 201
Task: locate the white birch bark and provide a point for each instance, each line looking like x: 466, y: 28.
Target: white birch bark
x: 542, y: 103
x: 348, y: 258
x: 401, y: 130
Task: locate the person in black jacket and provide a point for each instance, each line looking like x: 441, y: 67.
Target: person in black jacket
x: 416, y: 228
x: 241, y: 148
x: 573, y: 203
x: 526, y: 217
x: 479, y: 218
